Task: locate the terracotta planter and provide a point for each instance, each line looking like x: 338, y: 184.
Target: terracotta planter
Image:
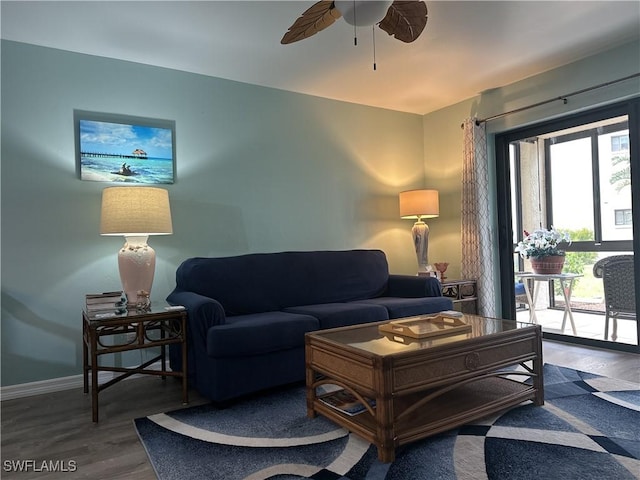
x: 549, y: 265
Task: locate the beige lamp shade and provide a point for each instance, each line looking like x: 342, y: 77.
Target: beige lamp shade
x: 132, y: 211
x: 136, y: 213
x: 419, y: 204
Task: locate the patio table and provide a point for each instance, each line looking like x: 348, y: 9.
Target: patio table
x: 566, y: 285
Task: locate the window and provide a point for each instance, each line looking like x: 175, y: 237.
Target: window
x: 570, y: 178
x: 623, y: 217
x: 619, y: 143
x: 574, y: 174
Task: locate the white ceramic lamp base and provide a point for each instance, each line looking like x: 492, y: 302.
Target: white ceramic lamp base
x: 420, y: 233
x: 137, y: 264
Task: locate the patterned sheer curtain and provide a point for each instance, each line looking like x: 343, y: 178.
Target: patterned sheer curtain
x: 477, y: 235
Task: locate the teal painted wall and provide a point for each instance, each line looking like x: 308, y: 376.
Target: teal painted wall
x: 258, y: 170
x: 443, y: 136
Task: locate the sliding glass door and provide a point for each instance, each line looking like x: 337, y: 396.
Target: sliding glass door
x: 579, y: 175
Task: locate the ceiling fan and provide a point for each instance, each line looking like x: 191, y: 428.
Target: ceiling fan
x: 405, y: 20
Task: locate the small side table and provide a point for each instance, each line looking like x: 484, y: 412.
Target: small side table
x: 155, y: 327
x: 463, y: 294
x: 566, y: 285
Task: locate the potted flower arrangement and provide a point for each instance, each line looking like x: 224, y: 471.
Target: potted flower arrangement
x: 542, y: 248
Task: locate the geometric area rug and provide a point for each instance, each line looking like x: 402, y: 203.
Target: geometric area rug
x: 588, y: 429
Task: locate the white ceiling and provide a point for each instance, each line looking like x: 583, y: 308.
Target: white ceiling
x: 467, y: 46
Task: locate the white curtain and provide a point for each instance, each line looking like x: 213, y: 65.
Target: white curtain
x: 477, y: 231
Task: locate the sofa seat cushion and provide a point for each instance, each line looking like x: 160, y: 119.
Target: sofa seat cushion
x: 259, y: 333
x: 408, y: 307
x: 331, y: 315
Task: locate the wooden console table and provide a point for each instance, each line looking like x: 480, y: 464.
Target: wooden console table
x: 463, y: 294
x: 132, y: 330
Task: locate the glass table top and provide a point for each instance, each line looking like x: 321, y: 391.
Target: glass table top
x: 370, y: 338
x: 125, y: 312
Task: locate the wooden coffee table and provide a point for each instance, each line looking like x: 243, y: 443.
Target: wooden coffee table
x: 422, y: 387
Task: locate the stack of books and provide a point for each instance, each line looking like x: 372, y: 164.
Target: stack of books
x: 101, y: 304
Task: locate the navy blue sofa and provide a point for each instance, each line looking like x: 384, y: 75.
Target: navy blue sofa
x: 247, y: 315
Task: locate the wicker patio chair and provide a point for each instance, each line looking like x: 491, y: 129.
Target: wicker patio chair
x: 617, y: 276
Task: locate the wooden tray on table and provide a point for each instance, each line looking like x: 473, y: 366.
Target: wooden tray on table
x: 423, y: 327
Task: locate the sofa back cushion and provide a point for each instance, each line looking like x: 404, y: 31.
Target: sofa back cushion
x: 263, y: 282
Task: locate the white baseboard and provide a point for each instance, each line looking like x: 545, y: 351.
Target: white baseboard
x: 41, y: 387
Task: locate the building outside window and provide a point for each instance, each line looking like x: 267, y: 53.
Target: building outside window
x: 623, y: 217
x: 619, y: 143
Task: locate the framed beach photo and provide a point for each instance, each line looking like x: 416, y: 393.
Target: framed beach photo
x: 124, y: 149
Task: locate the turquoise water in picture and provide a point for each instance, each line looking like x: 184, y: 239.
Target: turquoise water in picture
x: 143, y: 170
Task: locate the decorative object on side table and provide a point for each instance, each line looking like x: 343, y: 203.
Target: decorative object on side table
x: 136, y: 213
x: 107, y: 304
x: 542, y: 248
x: 420, y: 204
x: 441, y: 267
x: 143, y: 301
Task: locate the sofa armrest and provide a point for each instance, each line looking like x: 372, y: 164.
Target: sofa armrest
x: 203, y: 312
x: 413, y: 286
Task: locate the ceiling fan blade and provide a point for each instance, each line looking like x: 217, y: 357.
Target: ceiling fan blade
x: 405, y: 20
x: 313, y: 20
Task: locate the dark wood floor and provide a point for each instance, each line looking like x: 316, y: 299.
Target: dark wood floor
x: 58, y: 426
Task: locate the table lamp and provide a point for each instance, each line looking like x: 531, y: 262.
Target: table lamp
x: 420, y: 204
x: 136, y: 213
